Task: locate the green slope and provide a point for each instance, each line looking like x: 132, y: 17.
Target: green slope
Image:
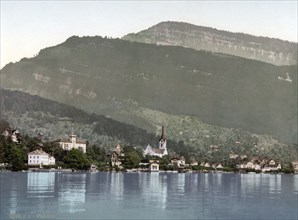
x: 185, y: 135
x: 117, y: 78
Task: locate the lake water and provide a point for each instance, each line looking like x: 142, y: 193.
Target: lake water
x: 148, y: 196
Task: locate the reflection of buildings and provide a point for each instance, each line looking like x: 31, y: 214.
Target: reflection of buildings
x: 117, y: 185
x: 72, y: 192
x: 154, y: 188
x: 41, y: 185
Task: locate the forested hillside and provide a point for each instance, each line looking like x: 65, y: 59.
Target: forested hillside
x: 33, y: 115
x: 126, y: 80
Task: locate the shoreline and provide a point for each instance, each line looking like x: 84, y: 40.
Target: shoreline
x: 136, y: 171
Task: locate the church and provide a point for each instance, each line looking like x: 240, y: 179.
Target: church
x: 159, y: 151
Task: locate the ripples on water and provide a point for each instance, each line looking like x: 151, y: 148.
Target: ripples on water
x: 148, y: 196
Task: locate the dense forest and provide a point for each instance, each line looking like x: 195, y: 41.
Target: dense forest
x: 33, y: 115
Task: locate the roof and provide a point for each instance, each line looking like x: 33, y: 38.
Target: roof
x: 63, y: 140
x: 67, y: 140
x: 158, y: 151
x: 39, y: 152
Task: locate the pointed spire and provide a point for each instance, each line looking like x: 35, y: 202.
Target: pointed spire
x: 163, y: 133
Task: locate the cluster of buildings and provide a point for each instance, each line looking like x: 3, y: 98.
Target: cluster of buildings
x: 39, y: 157
x: 116, y: 155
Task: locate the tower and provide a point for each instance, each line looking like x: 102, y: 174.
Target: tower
x: 162, y: 140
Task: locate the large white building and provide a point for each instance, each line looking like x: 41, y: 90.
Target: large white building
x: 39, y: 157
x: 72, y: 143
x: 162, y: 147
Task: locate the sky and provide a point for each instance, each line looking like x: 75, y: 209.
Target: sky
x: 29, y: 26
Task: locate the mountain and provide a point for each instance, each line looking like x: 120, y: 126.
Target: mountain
x: 142, y: 84
x: 33, y: 115
x: 270, y: 50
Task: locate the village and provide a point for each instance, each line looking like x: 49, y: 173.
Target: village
x: 149, y: 159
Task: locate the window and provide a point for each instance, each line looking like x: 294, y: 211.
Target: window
x: 37, y: 156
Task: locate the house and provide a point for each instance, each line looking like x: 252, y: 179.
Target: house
x: 219, y: 166
x: 233, y: 156
x: 213, y: 148
x: 72, y: 143
x: 243, y: 157
x: 194, y: 163
x: 207, y: 165
x: 39, y: 157
x: 295, y: 166
x: 250, y: 165
x: 272, y: 165
x: 161, y: 150
x: 14, y: 134
x: 116, y: 156
x: 178, y: 161
x: 154, y: 166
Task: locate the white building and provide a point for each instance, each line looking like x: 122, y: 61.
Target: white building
x: 72, y: 143
x: 39, y: 157
x: 161, y: 150
x: 154, y: 166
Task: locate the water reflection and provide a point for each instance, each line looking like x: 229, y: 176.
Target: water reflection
x: 41, y: 185
x: 148, y: 196
x: 72, y: 190
x: 154, y: 189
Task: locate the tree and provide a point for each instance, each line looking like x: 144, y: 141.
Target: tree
x: 76, y: 159
x: 16, y: 159
x: 131, y: 158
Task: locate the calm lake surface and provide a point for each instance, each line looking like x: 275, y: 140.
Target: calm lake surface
x: 148, y: 196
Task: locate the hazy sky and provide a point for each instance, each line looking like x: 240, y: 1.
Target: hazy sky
x: 28, y: 26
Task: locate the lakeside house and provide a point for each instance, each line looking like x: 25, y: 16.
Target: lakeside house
x: 295, y: 166
x: 72, y: 143
x: 260, y: 165
x: 161, y: 150
x: 154, y: 166
x: 116, y: 156
x: 178, y: 161
x: 39, y: 157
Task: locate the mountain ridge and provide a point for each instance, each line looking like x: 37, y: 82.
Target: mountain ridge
x: 118, y: 78
x: 266, y: 49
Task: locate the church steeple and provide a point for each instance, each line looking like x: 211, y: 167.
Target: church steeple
x: 162, y: 140
x: 162, y: 133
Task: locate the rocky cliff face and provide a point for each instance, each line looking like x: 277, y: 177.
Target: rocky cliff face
x: 264, y: 49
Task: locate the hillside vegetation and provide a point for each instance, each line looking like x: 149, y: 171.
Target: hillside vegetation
x: 185, y: 134
x: 119, y: 79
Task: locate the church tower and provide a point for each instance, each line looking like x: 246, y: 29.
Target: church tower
x: 162, y: 140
